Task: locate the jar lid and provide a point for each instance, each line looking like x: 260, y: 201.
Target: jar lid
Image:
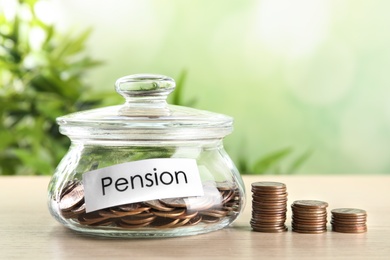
x: 145, y: 116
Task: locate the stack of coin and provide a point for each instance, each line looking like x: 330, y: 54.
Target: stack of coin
x: 269, y: 207
x: 309, y: 216
x: 221, y: 200
x: 348, y: 220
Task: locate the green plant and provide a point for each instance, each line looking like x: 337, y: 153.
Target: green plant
x: 272, y: 163
x: 41, y: 78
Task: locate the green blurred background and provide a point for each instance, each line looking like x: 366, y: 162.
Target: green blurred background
x: 305, y: 76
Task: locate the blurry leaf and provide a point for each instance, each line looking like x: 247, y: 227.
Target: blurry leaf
x: 177, y: 95
x: 299, y: 161
x: 36, y: 163
x: 265, y: 164
x: 36, y: 86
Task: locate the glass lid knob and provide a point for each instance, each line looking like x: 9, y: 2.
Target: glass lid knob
x: 145, y: 94
x: 144, y: 86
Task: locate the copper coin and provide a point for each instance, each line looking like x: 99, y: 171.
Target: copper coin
x: 271, y: 198
x: 68, y: 187
x: 200, y: 203
x: 309, y: 231
x: 308, y: 214
x: 156, y: 204
x: 315, y: 222
x: 165, y: 222
x: 105, y: 222
x: 348, y: 212
x: 269, y: 218
x: 349, y: 222
x: 174, y: 202
x: 349, y: 226
x: 269, y: 211
x: 308, y: 210
x: 227, y: 196
x: 309, y: 224
x: 107, y: 213
x: 194, y: 221
x: 69, y: 214
x: 79, y: 210
x: 269, y: 203
x: 273, y: 226
x: 73, y: 198
x: 130, y: 226
x: 89, y: 219
x: 169, y: 214
x: 269, y: 230
x: 129, y: 207
x: 121, y: 213
x: 225, y: 186
x: 357, y: 219
x: 210, y: 219
x: 268, y: 185
x: 349, y: 230
x: 261, y: 223
x: 181, y: 222
x: 135, y: 220
x: 268, y: 207
x: 311, y: 204
x: 213, y: 213
x: 187, y: 215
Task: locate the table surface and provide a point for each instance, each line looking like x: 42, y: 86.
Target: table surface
x: 27, y: 230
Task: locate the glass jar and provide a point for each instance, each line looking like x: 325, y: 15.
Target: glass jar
x: 146, y: 168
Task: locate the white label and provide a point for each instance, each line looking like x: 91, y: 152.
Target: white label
x: 141, y: 181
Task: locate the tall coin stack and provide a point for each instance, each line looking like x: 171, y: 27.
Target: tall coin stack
x: 348, y: 220
x: 309, y: 216
x: 269, y: 207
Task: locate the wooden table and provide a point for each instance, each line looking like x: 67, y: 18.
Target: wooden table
x: 27, y: 231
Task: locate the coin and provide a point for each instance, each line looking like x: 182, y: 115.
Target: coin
x: 213, y: 213
x: 169, y: 214
x: 68, y: 187
x: 187, y: 215
x: 309, y: 216
x: 269, y: 207
x: 130, y: 226
x: 349, y: 230
x: 165, y: 222
x: 194, y: 221
x: 216, y: 204
x: 136, y: 220
x: 348, y: 212
x: 349, y: 220
x: 225, y: 186
x: 310, y: 204
x: 72, y: 198
x: 174, y: 202
x: 268, y: 185
x: 309, y: 231
x: 269, y: 230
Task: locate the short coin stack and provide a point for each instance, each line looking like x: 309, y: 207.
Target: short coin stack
x: 309, y: 216
x: 348, y: 220
x: 269, y: 207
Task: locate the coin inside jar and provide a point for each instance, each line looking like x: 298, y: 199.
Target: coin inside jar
x: 162, y: 213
